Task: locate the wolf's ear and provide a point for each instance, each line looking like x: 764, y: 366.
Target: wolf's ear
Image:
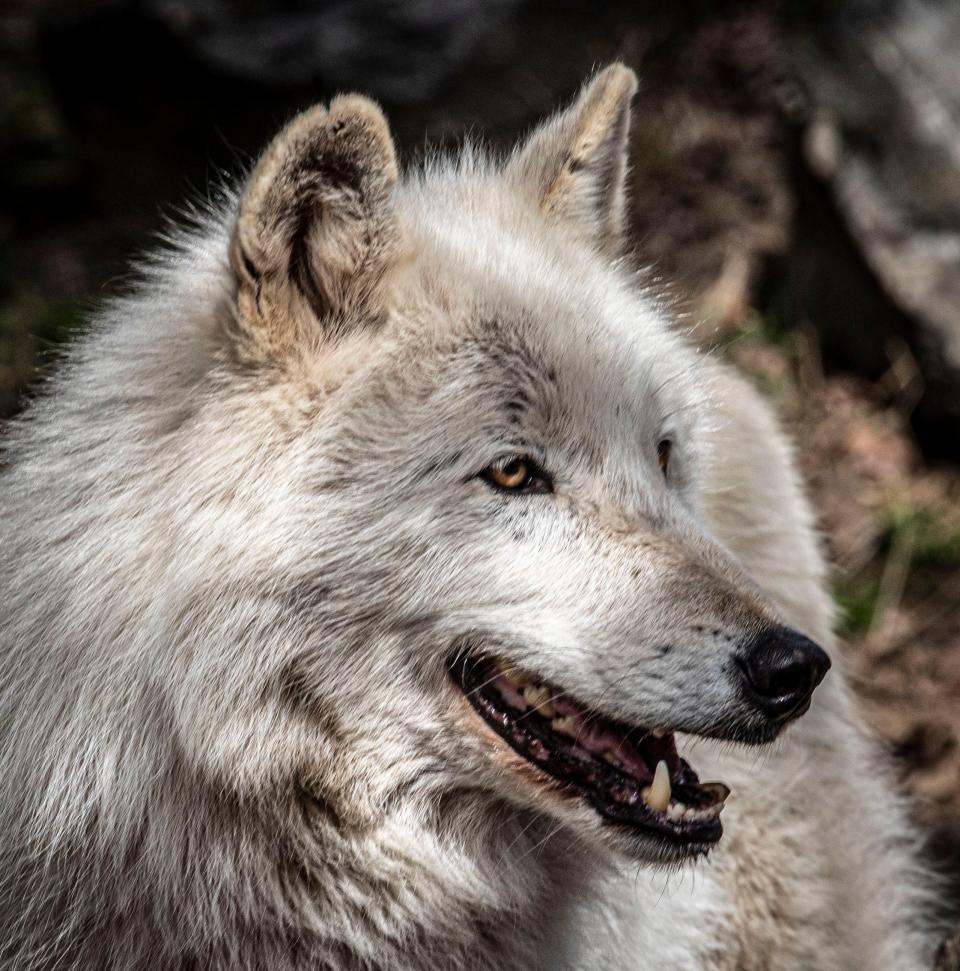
x: 315, y: 231
x: 576, y: 163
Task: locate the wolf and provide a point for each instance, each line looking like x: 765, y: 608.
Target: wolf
x: 387, y: 583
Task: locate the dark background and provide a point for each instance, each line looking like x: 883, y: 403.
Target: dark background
x: 796, y: 191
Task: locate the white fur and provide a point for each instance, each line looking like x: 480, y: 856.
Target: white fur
x: 231, y: 581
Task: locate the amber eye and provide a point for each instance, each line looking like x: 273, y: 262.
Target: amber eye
x: 517, y: 474
x: 664, y: 447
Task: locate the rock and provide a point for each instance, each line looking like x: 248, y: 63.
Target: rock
x: 883, y: 133
x: 403, y: 53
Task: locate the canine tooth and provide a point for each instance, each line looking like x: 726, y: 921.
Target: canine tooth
x: 537, y: 696
x: 658, y: 732
x: 658, y: 795
x: 565, y: 726
x: 612, y: 759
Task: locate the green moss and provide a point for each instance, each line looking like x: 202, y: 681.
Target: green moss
x: 857, y: 599
x: 769, y: 328
x: 759, y: 329
x: 931, y: 533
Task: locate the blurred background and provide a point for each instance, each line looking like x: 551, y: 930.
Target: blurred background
x: 796, y: 189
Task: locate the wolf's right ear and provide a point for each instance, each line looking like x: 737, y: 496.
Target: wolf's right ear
x: 315, y: 232
x: 575, y: 165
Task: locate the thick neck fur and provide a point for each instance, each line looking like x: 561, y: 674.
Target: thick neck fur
x: 464, y: 884
x: 228, y: 736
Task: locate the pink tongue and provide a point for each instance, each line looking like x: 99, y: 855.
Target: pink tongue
x: 512, y: 696
x: 596, y: 739
x: 634, y: 764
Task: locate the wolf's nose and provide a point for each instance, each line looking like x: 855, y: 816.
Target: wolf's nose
x: 780, y: 671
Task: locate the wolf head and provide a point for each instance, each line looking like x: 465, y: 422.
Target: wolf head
x: 382, y: 497
x: 474, y: 477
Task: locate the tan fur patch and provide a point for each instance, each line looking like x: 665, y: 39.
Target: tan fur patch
x: 315, y: 233
x: 576, y: 165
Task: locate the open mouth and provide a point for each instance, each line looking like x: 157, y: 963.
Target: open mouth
x: 632, y: 776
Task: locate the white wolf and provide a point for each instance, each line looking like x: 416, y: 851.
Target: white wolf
x: 358, y: 570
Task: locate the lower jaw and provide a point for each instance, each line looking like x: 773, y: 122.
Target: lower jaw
x: 629, y: 801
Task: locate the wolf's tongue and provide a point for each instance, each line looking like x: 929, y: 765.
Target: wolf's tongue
x: 597, y: 739
x: 600, y: 738
x: 513, y: 696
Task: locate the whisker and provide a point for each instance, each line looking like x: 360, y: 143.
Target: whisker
x: 481, y: 686
x: 516, y: 839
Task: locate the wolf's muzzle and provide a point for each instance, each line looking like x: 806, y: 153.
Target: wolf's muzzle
x: 780, y: 670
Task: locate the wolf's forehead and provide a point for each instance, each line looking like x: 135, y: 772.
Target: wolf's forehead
x: 477, y: 240
x: 564, y: 374
x: 529, y: 313
x: 528, y: 304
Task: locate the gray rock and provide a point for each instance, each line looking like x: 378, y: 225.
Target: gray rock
x: 400, y: 50
x: 884, y: 133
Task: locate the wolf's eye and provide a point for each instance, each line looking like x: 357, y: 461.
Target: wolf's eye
x: 517, y: 474
x: 664, y: 447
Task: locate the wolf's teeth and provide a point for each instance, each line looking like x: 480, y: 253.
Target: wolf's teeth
x: 537, y: 696
x: 658, y: 732
x: 612, y: 759
x: 516, y: 677
x: 657, y: 797
x: 565, y: 726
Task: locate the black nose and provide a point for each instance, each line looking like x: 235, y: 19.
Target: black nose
x: 780, y: 671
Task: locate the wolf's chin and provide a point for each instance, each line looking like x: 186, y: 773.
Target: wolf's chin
x: 650, y: 801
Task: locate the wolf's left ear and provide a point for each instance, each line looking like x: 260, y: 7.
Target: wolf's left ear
x: 576, y: 163
x: 315, y: 231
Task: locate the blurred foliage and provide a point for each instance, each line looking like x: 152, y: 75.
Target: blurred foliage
x: 931, y: 533
x: 856, y: 598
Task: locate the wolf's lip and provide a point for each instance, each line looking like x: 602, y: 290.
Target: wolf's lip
x: 630, y: 775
